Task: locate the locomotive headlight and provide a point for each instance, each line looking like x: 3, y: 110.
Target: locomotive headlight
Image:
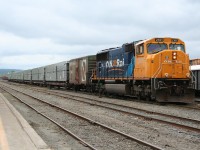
x: 166, y: 75
x: 174, y: 55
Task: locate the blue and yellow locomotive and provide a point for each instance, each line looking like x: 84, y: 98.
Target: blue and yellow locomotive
x: 156, y: 69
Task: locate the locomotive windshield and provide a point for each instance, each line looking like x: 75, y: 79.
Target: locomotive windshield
x: 177, y: 47
x: 156, y: 47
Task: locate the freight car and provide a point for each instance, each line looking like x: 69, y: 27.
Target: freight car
x: 80, y: 71
x: 16, y: 76
x: 153, y: 69
x: 58, y: 74
x: 196, y: 77
x: 51, y: 75
x: 26, y: 76
x: 156, y: 68
x: 38, y: 76
x: 194, y: 62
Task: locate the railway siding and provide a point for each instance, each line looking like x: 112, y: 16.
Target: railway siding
x: 162, y: 135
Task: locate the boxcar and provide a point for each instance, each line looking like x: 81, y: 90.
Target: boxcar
x: 35, y: 74
x: 57, y: 74
x: 195, y: 62
x: 38, y: 75
x: 16, y: 76
x: 81, y: 71
x: 62, y: 71
x: 41, y: 74
x: 27, y: 76
x: 50, y: 73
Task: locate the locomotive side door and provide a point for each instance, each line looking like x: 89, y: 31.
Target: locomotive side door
x: 139, y: 71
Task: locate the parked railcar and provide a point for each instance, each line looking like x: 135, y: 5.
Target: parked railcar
x: 38, y: 75
x: 156, y: 68
x: 196, y: 77
x: 63, y: 72
x: 57, y: 74
x: 27, y: 76
x: 194, y: 62
x: 16, y: 76
x: 80, y: 71
x: 50, y: 73
x: 35, y: 74
x: 41, y: 74
x: 4, y: 77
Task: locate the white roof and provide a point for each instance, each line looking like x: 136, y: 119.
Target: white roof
x: 142, y: 41
x: 195, y: 67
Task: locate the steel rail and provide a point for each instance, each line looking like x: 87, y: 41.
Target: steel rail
x: 94, y: 122
x: 130, y: 113
x: 84, y: 143
x: 138, y: 115
x: 187, y: 107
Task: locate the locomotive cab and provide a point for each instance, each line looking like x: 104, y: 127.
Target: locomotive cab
x: 162, y: 70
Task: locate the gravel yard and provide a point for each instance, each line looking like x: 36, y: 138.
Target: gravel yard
x: 164, y: 136
x: 52, y: 134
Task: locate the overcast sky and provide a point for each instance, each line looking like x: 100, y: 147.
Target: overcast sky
x: 35, y: 33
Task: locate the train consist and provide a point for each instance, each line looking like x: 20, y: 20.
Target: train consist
x: 154, y: 69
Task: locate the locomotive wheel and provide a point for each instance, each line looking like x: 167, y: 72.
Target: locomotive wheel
x: 148, y: 98
x: 139, y: 97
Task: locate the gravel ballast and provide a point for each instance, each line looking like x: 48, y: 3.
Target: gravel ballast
x: 165, y: 136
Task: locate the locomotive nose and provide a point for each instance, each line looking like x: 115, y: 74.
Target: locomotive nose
x: 174, y: 65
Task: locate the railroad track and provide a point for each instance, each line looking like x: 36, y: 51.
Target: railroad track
x: 145, y: 114
x: 149, y: 117
x: 193, y: 107
x: 92, y: 122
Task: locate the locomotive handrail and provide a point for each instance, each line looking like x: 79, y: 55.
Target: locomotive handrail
x: 157, y: 69
x: 156, y: 73
x: 193, y: 81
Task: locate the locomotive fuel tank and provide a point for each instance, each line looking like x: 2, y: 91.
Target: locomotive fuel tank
x: 121, y: 89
